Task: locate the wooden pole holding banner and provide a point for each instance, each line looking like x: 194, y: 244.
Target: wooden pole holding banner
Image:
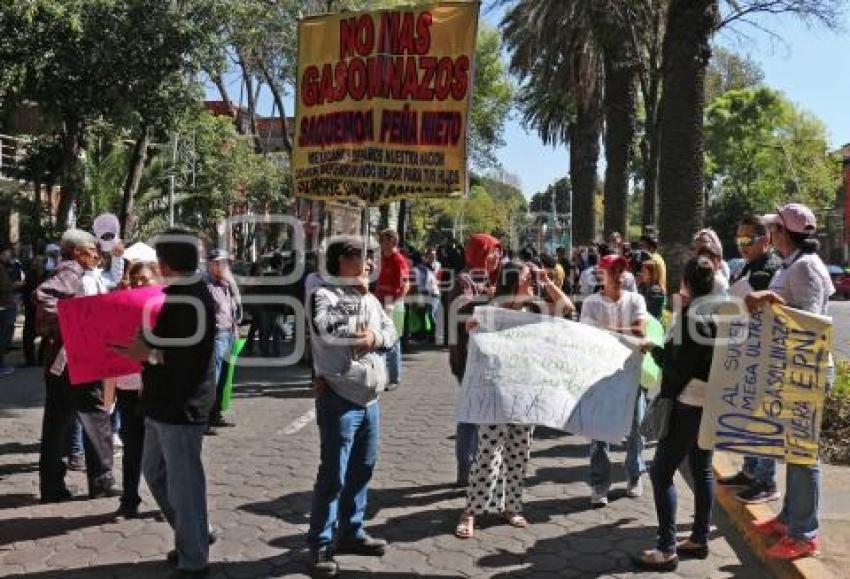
x: 402, y: 227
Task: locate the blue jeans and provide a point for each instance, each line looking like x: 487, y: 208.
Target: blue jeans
x: 600, y: 463
x: 466, y: 445
x: 681, y: 443
x: 349, y: 437
x: 393, y: 359
x: 76, y: 438
x: 222, y: 347
x: 800, y: 506
x: 802, y: 493
x: 761, y: 469
x: 115, y: 421
x: 173, y: 469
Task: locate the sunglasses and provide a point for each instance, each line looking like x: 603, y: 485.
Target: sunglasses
x: 747, y: 241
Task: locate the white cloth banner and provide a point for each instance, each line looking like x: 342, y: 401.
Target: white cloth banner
x: 523, y: 368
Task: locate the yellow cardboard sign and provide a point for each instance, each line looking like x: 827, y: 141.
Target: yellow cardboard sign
x: 768, y: 383
x: 382, y: 103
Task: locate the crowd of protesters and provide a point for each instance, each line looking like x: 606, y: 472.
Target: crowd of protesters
x: 361, y: 304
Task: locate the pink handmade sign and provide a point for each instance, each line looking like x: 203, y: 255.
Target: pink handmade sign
x: 90, y: 325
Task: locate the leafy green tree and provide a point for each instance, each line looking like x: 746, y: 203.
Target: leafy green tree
x: 124, y: 63
x: 761, y: 151
x: 686, y: 52
x: 560, y: 96
x: 492, y: 207
x: 492, y: 98
x: 727, y: 71
x: 542, y: 201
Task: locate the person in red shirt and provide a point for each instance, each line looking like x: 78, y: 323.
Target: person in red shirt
x: 391, y: 289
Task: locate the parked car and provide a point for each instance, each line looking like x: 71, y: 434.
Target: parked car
x: 842, y: 286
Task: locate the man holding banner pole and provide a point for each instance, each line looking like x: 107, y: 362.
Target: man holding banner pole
x: 757, y: 478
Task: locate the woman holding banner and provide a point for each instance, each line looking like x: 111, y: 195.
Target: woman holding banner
x: 474, y: 285
x: 128, y: 392
x: 621, y: 311
x: 498, y: 471
x: 802, y: 283
x: 686, y: 362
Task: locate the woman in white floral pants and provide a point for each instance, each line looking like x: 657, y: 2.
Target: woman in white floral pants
x: 498, y: 473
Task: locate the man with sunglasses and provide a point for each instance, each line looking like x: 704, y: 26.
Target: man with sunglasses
x: 757, y: 479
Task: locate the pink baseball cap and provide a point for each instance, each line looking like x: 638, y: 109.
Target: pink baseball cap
x: 795, y: 217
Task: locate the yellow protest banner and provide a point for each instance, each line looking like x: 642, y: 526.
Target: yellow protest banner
x: 767, y: 385
x: 382, y: 103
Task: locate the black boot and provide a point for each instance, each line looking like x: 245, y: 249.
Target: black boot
x: 322, y: 563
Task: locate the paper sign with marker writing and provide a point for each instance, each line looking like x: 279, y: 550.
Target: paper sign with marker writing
x: 91, y: 324
x: 523, y: 368
x: 767, y: 385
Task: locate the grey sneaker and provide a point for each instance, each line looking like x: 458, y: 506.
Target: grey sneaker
x: 635, y: 488
x: 391, y: 387
x: 599, y: 496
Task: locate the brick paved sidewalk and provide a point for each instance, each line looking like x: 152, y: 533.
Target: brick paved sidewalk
x: 260, y: 476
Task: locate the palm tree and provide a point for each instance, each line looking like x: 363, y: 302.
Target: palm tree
x: 580, y: 62
x: 615, y: 26
x: 685, y: 53
x: 561, y: 95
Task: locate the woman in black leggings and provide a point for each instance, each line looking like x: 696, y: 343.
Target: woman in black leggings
x: 686, y: 363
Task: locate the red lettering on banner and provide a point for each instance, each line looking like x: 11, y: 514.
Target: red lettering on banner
x: 356, y: 35
x: 405, y: 33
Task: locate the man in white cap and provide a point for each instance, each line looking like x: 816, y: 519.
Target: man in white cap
x: 224, y: 293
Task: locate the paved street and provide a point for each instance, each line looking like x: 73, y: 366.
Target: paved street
x: 840, y: 312
x: 261, y: 473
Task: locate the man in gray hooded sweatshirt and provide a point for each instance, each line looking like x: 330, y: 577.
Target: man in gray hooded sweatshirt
x: 349, y: 330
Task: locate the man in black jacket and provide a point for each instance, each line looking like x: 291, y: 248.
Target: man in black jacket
x: 757, y: 479
x: 177, y: 398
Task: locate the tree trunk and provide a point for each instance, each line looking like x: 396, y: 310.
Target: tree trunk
x: 685, y: 56
x: 384, y: 219
x: 620, y: 114
x: 218, y: 81
x: 37, y: 229
x: 402, y: 221
x: 278, y: 100
x: 584, y: 157
x: 252, y: 103
x: 69, y: 175
x: 650, y: 81
x: 131, y: 185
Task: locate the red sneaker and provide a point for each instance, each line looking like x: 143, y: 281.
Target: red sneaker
x: 770, y: 527
x: 789, y: 549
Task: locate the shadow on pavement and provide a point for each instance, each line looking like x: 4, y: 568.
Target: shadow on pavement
x: 294, y: 508
x: 31, y: 529
x: 15, y: 501
x: 282, y: 565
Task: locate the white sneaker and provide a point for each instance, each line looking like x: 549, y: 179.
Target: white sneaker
x: 635, y: 488
x: 599, y: 497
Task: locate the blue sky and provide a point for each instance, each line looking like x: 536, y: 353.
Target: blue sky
x: 809, y: 65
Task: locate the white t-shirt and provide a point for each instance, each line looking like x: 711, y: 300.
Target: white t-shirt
x: 601, y: 312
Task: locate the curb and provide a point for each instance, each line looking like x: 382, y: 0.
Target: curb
x: 742, y: 516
